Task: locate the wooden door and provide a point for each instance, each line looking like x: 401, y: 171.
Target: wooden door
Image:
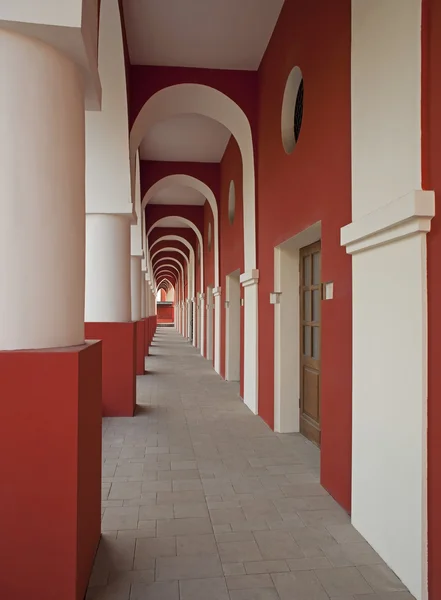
x: 310, y: 316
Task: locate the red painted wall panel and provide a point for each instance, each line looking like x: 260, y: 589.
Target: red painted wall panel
x: 295, y: 191
x: 431, y: 138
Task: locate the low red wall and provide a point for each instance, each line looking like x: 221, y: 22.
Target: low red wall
x: 51, y: 471
x: 119, y: 366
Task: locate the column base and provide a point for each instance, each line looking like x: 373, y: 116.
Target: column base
x: 140, y: 344
x: 51, y: 471
x: 119, y: 366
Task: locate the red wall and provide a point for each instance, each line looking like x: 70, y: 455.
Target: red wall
x: 431, y: 132
x: 165, y: 313
x: 295, y: 191
x: 231, y: 236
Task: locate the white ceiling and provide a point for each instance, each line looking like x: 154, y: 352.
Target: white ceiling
x: 178, y: 194
x: 172, y: 222
x: 212, y: 34
x: 188, y: 138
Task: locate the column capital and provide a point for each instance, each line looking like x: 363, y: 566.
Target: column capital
x: 249, y: 278
x: 399, y: 219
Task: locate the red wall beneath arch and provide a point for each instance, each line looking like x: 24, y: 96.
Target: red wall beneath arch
x: 312, y: 184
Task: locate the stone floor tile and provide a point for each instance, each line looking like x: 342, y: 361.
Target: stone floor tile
x: 235, y: 536
x: 155, y: 512
x: 190, y: 510
x: 302, y: 585
x: 172, y: 527
x: 233, y: 569
x: 188, y: 545
x: 226, y: 516
x: 381, y: 578
x: 352, y: 554
x: 129, y: 470
x: 243, y: 582
x: 113, y: 591
x: 155, y: 591
x: 151, y: 548
x: 309, y: 564
x: 202, y: 589
x: 239, y: 551
x: 345, y: 580
x: 117, y: 518
x: 266, y: 566
x: 125, y: 491
x: 255, y: 594
x: 188, y: 567
x: 345, y: 533
x: 277, y: 545
x: 157, y: 486
x: 191, y: 497
x: 186, y: 485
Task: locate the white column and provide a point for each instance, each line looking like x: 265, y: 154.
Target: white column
x: 193, y: 313
x: 387, y: 240
x: 136, y: 285
x: 250, y: 368
x: 143, y: 296
x: 42, y: 204
x: 108, y: 268
x: 217, y: 328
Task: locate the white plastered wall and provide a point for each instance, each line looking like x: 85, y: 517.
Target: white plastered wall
x: 108, y: 184
x: 287, y: 330
x: 387, y: 240
x: 232, y: 327
x: 209, y: 352
x: 194, y: 98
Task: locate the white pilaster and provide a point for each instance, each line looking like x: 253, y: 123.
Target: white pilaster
x: 42, y: 203
x: 250, y: 384
x: 217, y: 328
x: 387, y: 240
x: 136, y: 285
x: 108, y: 287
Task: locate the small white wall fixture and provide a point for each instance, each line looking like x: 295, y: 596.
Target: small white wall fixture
x: 232, y: 324
x: 286, y: 303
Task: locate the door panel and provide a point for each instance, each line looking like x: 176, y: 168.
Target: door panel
x: 310, y: 319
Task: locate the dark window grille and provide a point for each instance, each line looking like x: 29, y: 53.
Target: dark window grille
x: 298, y: 112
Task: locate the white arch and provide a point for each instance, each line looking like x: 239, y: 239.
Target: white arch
x: 162, y: 260
x: 190, y: 98
x: 192, y: 226
x: 202, y: 188
x: 178, y: 238
x: 187, y: 98
x: 171, y: 249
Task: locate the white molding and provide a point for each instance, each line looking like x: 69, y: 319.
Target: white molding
x: 249, y: 278
x: 217, y: 291
x: 399, y: 219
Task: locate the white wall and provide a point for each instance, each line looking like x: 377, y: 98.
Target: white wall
x: 232, y: 324
x: 210, y: 307
x: 108, y: 186
x: 64, y: 13
x: 388, y: 243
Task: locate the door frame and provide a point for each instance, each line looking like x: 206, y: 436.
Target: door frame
x: 287, y: 329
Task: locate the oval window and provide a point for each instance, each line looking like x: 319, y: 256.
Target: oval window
x: 292, y: 110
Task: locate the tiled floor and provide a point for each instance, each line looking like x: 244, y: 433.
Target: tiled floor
x: 202, y: 501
